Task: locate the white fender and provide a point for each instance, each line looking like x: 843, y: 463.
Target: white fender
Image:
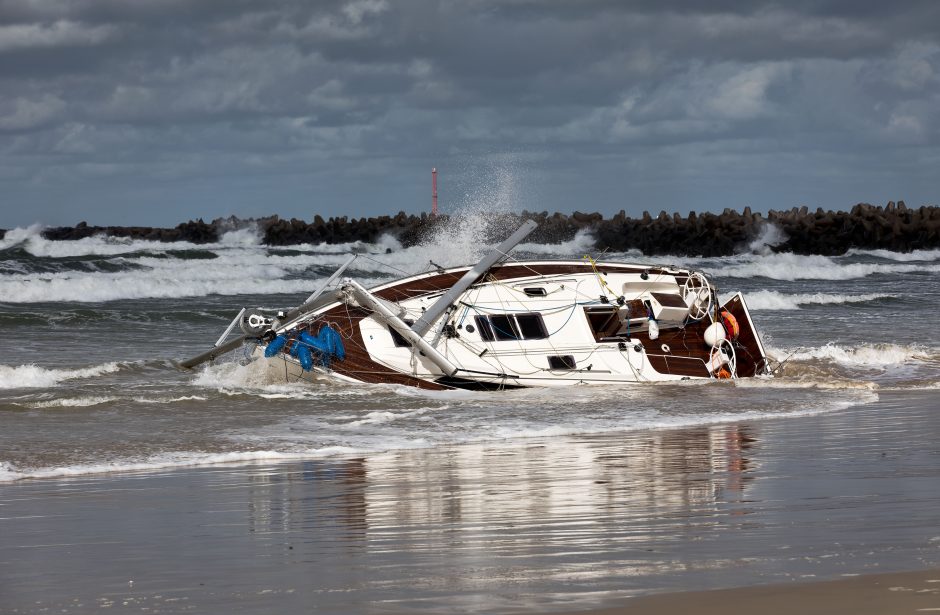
x: 714, y: 334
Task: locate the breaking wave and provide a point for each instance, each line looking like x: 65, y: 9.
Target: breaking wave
x: 33, y: 376
x: 32, y: 241
x: 864, y: 355
x: 773, y: 300
x: 583, y: 242
x: 790, y: 267
x: 770, y: 235
x: 914, y: 255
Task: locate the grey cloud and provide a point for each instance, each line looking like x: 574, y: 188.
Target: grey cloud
x: 171, y: 94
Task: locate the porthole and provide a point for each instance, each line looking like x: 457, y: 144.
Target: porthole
x: 666, y: 348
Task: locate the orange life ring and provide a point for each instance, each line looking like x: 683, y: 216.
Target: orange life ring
x: 730, y: 323
x: 723, y: 374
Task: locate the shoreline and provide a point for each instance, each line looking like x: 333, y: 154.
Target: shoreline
x: 866, y: 594
x: 627, y: 522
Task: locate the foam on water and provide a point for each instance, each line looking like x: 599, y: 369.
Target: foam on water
x: 150, y: 269
x: 33, y: 376
x: 914, y: 255
x: 770, y: 235
x: 72, y: 402
x: 774, y: 300
x: 9, y: 472
x: 791, y: 267
x: 382, y: 417
x: 582, y: 243
x: 865, y: 355
x: 31, y: 240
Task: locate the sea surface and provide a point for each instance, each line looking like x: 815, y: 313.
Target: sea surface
x: 90, y: 331
x: 126, y: 483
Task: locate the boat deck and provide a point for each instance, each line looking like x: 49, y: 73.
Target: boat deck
x: 677, y: 351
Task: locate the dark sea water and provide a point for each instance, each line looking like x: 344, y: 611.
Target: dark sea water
x: 126, y: 483
x: 89, y: 330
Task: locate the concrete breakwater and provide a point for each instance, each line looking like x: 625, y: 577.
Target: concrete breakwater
x: 799, y: 230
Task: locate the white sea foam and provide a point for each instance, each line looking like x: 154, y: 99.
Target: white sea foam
x: 582, y: 243
x: 787, y: 266
x: 9, y: 472
x: 773, y: 300
x: 249, y: 236
x: 242, y: 266
x: 31, y: 240
x: 320, y: 436
x: 235, y: 272
x: 381, y: 417
x: 33, y: 376
x: 679, y: 422
x: 770, y: 235
x: 20, y: 235
x: 72, y: 402
x: 809, y: 381
x: 168, y: 400
x: 231, y: 375
x: 915, y: 255
x: 864, y: 355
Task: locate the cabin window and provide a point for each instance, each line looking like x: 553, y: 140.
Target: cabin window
x: 400, y: 342
x: 505, y: 327
x: 486, y: 331
x: 531, y: 326
x: 564, y: 361
x: 535, y: 291
x: 528, y: 326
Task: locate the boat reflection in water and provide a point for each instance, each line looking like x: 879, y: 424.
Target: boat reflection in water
x: 566, y: 516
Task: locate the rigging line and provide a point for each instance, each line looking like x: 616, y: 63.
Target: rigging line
x: 636, y: 374
x: 487, y: 309
x: 378, y: 262
x: 472, y: 349
x: 510, y: 257
x: 519, y: 340
x: 600, y: 278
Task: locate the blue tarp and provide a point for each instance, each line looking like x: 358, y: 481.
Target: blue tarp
x: 308, y: 348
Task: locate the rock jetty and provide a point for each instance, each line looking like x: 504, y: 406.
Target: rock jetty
x: 892, y: 227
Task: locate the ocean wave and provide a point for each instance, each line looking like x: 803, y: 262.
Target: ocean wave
x: 382, y: 417
x: 773, y: 300
x: 790, y: 267
x: 71, y: 402
x: 863, y: 355
x: 582, y: 243
x: 770, y: 236
x: 32, y: 376
x: 31, y: 240
x: 163, y: 461
x: 914, y: 255
x: 339, y: 434
x: 810, y: 379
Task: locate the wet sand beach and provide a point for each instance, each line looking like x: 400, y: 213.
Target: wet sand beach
x: 876, y: 594
x: 548, y: 524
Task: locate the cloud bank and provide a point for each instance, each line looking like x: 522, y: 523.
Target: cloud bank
x: 151, y: 113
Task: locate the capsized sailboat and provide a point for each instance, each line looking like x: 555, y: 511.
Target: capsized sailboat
x: 504, y: 324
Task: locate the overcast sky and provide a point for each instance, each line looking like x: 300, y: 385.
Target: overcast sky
x: 153, y: 112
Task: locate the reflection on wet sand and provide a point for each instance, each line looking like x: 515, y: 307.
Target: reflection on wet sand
x: 551, y: 523
x: 563, y: 510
